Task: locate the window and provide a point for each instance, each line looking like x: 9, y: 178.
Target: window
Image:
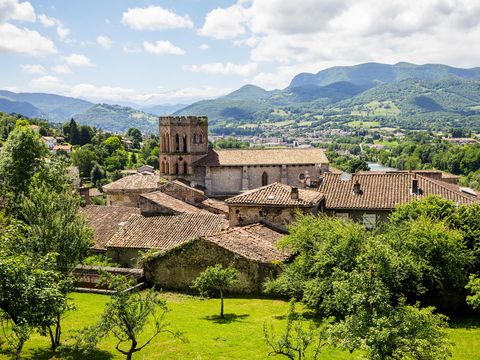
x: 264, y: 179
x: 194, y: 138
x: 369, y: 220
x: 185, y: 167
x: 177, y: 143
x: 342, y: 215
x: 162, y: 167
x: 176, y: 168
x: 200, y: 138
x: 184, y: 143
x: 167, y: 168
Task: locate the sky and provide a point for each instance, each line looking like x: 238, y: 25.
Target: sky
x: 180, y: 51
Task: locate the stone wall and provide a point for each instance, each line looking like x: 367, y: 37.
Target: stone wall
x: 226, y: 179
x: 244, y: 215
x: 129, y: 198
x: 179, y: 267
x: 150, y: 208
x: 125, y: 257
x: 184, y: 193
x: 357, y: 215
x: 255, y: 173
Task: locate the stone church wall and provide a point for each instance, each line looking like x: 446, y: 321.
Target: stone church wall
x: 226, y: 179
x: 255, y: 174
x: 179, y: 267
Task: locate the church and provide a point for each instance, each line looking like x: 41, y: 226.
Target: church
x: 185, y: 155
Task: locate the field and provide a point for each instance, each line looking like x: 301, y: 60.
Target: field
x: 239, y: 336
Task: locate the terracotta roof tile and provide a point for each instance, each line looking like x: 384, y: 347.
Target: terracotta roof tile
x: 277, y: 194
x: 170, y: 202
x: 254, y: 242
x: 242, y: 157
x: 165, y: 232
x: 145, y: 182
x: 105, y: 221
x: 385, y: 190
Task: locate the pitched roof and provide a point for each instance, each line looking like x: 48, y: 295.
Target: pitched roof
x: 140, y: 182
x: 170, y: 202
x: 105, y: 221
x: 277, y: 194
x: 165, y: 232
x: 240, y: 157
x: 384, y: 191
x: 254, y: 242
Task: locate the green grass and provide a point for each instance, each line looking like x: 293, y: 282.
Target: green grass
x: 363, y: 124
x: 239, y: 336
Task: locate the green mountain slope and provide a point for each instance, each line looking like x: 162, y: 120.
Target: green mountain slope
x: 10, y: 106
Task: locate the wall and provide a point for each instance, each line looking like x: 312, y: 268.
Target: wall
x: 125, y: 257
x: 179, y: 267
x: 184, y: 193
x: 150, y: 208
x: 244, y: 215
x: 129, y: 198
x: 293, y: 171
x: 255, y: 175
x: 357, y: 215
x: 226, y: 179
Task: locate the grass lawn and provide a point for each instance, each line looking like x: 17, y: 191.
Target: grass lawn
x: 239, y: 336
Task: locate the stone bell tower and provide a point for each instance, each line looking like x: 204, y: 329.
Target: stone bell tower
x: 183, y: 140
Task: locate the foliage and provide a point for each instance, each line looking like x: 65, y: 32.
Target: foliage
x: 295, y: 341
x: 126, y: 316
x: 99, y: 260
x: 474, y: 287
x: 216, y: 278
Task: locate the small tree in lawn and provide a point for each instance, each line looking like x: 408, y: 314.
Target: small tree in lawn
x: 216, y: 278
x: 126, y: 316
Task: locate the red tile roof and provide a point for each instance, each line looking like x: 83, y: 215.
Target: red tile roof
x: 165, y: 232
x: 384, y: 191
x: 106, y: 221
x: 138, y: 182
x: 277, y: 194
x: 287, y: 156
x: 170, y: 202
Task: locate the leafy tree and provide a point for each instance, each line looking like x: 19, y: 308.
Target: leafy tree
x: 112, y: 144
x: 133, y: 159
x: 19, y: 159
x: 295, y: 340
x: 136, y: 136
x: 74, y: 133
x: 126, y: 316
x: 97, y: 174
x: 85, y: 158
x: 357, y: 164
x: 216, y: 278
x: 85, y: 135
x: 154, y: 161
x: 474, y: 287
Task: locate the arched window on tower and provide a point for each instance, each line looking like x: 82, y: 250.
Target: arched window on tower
x: 162, y: 167
x: 185, y: 168
x: 184, y: 138
x: 194, y: 138
x: 167, y: 168
x: 177, y: 143
x: 200, y: 138
x: 264, y: 179
x: 176, y: 168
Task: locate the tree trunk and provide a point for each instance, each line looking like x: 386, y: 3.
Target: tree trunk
x: 221, y: 304
x: 132, y: 349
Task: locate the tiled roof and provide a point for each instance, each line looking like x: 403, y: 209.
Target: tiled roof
x: 385, y: 190
x: 276, y: 194
x: 285, y: 156
x: 145, y: 182
x: 218, y: 205
x: 165, y: 232
x: 170, y: 202
x: 254, y: 242
x: 105, y: 221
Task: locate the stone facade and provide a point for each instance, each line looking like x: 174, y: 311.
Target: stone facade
x: 179, y: 267
x: 127, y: 198
x: 240, y: 215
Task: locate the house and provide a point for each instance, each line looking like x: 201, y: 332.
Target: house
x: 161, y: 233
x: 67, y: 149
x: 146, y: 169
x: 158, y: 203
x: 372, y: 196
x: 127, y: 190
x: 250, y: 249
x: 185, y: 154
x: 105, y: 221
x: 50, y: 141
x: 275, y: 203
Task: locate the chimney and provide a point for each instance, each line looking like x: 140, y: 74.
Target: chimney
x: 415, y: 186
x: 294, y: 193
x: 356, y: 188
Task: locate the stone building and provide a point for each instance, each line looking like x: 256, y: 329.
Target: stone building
x: 184, y: 154
x: 371, y: 196
x: 250, y: 249
x: 275, y: 203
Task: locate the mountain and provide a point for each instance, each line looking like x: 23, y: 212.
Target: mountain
x: 55, y: 108
x: 19, y: 107
x: 116, y: 118
x: 162, y: 109
x: 370, y: 74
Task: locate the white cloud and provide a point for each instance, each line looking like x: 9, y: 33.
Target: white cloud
x: 184, y: 95
x: 225, y: 23
x: 62, y: 69
x: 77, y: 60
x: 93, y: 92
x: 62, y: 30
x: 155, y: 18
x: 162, y: 47
x: 131, y: 48
x: 310, y: 35
x: 204, y: 47
x: 24, y: 41
x: 13, y: 10
x: 224, y: 69
x: 104, y: 41
x: 48, y: 83
x: 33, y: 69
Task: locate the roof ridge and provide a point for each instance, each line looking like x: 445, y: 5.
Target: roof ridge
x: 446, y: 187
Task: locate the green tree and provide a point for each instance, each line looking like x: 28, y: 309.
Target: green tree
x: 136, y: 136
x: 85, y: 158
x: 85, y: 135
x: 20, y: 157
x: 216, y: 278
x: 74, y: 133
x: 112, y: 144
x: 96, y: 174
x: 126, y: 316
x: 473, y: 287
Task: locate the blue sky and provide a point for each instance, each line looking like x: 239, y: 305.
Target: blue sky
x: 157, y: 52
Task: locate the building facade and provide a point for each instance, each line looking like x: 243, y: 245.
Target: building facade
x: 184, y: 154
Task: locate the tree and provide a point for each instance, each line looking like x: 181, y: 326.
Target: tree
x: 126, y: 315
x: 474, y: 287
x: 136, y: 136
x: 96, y: 174
x: 112, y: 144
x: 85, y: 135
x: 85, y: 158
x: 20, y: 157
x: 218, y: 279
x: 74, y: 133
x: 295, y: 340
